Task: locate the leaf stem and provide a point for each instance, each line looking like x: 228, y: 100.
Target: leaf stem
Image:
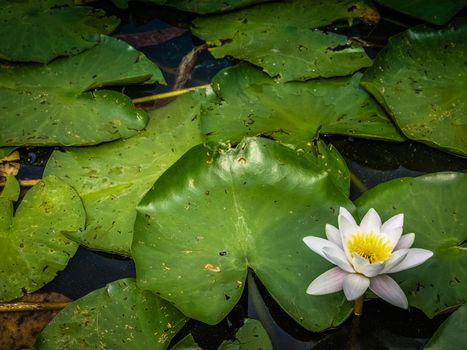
x: 358, y: 306
x: 394, y: 21
x: 25, y: 306
x: 169, y: 94
x: 357, y: 182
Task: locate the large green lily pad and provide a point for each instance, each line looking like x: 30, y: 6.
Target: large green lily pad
x: 118, y: 316
x: 434, y: 209
x: 112, y: 178
x: 420, y: 79
x: 205, y: 6
x: 33, y: 242
x: 251, y: 103
x: 451, y: 334
x: 434, y: 11
x: 283, y: 37
x: 213, y: 214
x: 39, y: 31
x: 53, y: 105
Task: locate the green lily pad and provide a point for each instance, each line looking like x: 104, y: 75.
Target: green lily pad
x: 118, y: 316
x: 420, y: 79
x: 12, y: 190
x: 39, y: 31
x: 53, y: 105
x: 33, y: 242
x: 213, y: 214
x: 434, y: 209
x: 451, y: 334
x: 112, y: 178
x: 251, y: 336
x: 206, y: 6
x: 283, y: 37
x: 251, y: 103
x: 434, y: 11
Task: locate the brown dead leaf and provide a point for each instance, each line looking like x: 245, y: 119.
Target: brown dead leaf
x: 18, y: 330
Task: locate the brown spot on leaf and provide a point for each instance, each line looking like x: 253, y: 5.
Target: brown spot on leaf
x: 212, y: 268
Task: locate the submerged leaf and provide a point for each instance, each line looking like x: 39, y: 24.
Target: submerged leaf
x: 39, y: 31
x: 434, y: 209
x: 206, y: 6
x: 112, y: 178
x: 283, y: 37
x: 118, y: 316
x: 33, y: 245
x: 434, y: 11
x: 52, y: 105
x: 214, y: 214
x: 251, y: 104
x: 420, y: 78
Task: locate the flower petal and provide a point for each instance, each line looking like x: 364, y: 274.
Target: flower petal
x: 392, y: 229
x: 328, y: 282
x: 333, y: 235
x: 406, y: 241
x: 344, y: 212
x: 414, y: 257
x: 317, y: 244
x: 395, y: 222
x: 396, y: 258
x: 347, y: 228
x: 355, y: 285
x: 387, y: 289
x: 337, y: 257
x: 371, y: 222
x: 362, y: 266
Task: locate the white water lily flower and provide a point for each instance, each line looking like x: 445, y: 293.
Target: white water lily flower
x: 364, y: 255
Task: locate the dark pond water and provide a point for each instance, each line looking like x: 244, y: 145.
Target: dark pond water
x: 382, y: 326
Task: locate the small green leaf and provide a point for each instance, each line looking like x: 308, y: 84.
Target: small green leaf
x: 33, y: 245
x: 39, y: 31
x: 118, y: 316
x: 214, y: 214
x: 434, y: 209
x: 251, y: 103
x: 112, y: 178
x: 5, y: 151
x: 451, y: 334
x: 420, y: 79
x: 434, y: 11
x: 283, y: 37
x: 52, y: 104
x: 251, y: 336
x: 187, y: 343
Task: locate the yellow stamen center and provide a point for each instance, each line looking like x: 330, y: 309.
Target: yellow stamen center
x: 370, y: 246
